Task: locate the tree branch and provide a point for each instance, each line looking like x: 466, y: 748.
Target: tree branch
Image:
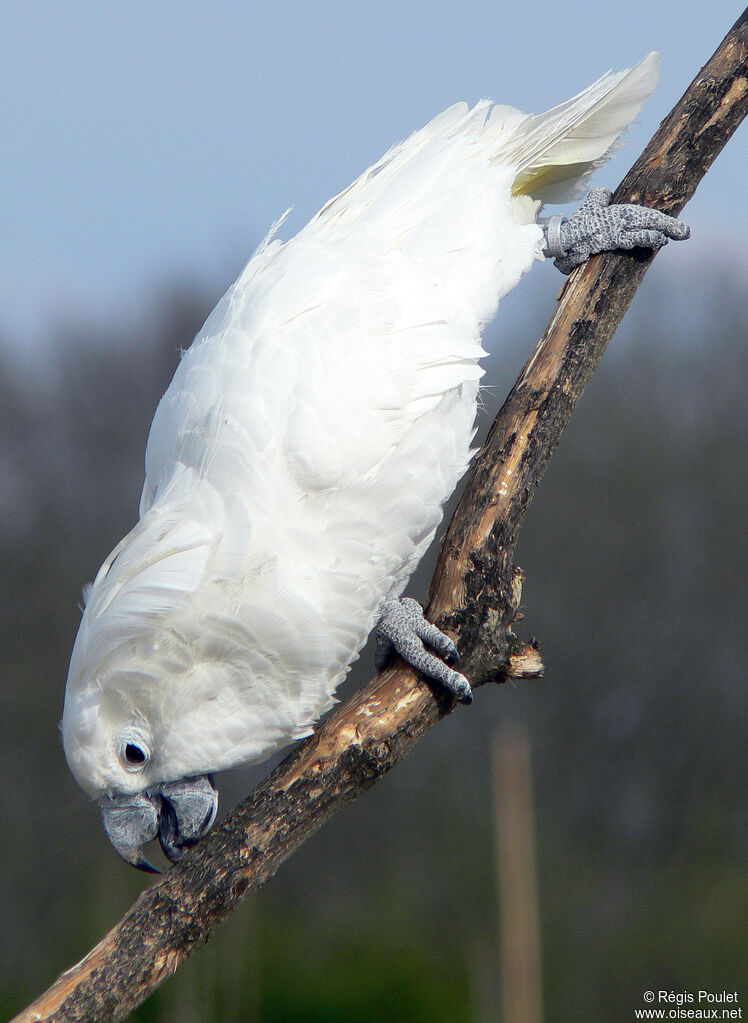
x: 475, y: 594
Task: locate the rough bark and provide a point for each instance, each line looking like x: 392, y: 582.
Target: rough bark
x: 475, y: 594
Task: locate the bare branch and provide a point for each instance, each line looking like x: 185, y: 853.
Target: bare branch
x: 475, y: 594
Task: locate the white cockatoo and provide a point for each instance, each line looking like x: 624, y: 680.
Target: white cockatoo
x: 298, y: 463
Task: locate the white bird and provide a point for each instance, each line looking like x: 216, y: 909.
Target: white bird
x: 298, y: 463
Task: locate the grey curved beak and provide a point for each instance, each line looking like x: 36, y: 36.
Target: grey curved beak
x: 188, y: 808
x: 130, y: 823
x: 179, y: 812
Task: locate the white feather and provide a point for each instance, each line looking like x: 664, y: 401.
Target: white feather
x: 298, y: 463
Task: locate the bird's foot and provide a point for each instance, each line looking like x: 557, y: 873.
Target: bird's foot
x: 599, y: 227
x: 403, y: 629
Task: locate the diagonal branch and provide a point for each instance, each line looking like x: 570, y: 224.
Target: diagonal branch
x: 474, y: 594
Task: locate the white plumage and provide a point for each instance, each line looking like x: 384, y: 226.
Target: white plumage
x: 298, y: 463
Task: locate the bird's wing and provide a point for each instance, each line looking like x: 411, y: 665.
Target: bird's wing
x: 556, y: 152
x: 343, y: 337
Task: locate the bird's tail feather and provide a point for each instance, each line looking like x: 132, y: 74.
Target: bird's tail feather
x: 555, y: 152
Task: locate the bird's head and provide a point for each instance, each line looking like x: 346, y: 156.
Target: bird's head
x: 167, y: 685
x: 114, y: 756
x: 124, y: 738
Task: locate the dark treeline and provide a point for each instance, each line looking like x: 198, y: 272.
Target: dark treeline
x: 635, y: 557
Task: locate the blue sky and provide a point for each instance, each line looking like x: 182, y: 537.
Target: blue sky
x: 144, y: 142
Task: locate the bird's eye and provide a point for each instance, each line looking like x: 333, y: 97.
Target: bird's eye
x: 133, y: 752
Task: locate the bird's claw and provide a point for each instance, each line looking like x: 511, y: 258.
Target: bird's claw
x: 598, y: 226
x: 403, y: 629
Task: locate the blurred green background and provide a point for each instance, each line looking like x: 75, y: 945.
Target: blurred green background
x: 635, y: 555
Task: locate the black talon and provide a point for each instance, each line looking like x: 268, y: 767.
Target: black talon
x: 452, y: 655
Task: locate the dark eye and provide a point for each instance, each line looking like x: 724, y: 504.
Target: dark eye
x: 134, y: 754
x: 133, y: 749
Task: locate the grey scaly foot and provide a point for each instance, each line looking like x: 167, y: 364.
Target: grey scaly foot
x: 599, y: 227
x: 404, y: 630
